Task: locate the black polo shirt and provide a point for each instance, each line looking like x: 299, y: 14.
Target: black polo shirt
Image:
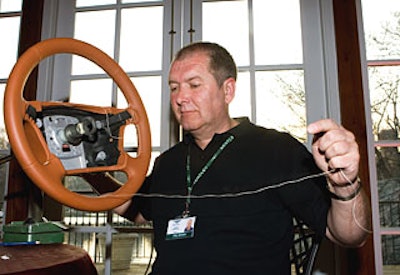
x: 246, y: 227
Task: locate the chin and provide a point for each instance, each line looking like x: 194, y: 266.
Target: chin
x: 186, y: 123
x: 188, y: 126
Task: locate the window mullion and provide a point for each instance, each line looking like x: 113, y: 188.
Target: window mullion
x: 117, y: 43
x: 252, y: 70
x: 314, y: 63
x: 172, y: 33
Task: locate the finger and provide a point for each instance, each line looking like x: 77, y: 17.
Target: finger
x: 323, y: 125
x: 344, y: 156
x: 343, y: 161
x: 337, y: 140
x: 335, y: 151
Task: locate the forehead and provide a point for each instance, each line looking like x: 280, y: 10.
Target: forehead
x: 189, y: 66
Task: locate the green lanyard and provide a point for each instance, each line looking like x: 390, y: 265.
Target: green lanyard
x: 189, y: 182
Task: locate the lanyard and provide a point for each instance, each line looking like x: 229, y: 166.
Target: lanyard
x: 189, y: 182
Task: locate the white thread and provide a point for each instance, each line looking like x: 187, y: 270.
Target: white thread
x: 245, y: 193
x: 228, y: 195
x: 108, y: 129
x: 353, y: 208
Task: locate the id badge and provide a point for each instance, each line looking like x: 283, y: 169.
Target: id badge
x: 180, y: 228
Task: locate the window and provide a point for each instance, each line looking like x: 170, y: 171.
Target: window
x: 282, y: 59
x: 131, y: 32
x: 270, y: 59
x: 10, y: 17
x: 272, y: 43
x: 382, y: 47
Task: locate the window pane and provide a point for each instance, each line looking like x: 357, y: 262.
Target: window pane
x: 9, y: 44
x: 280, y: 100
x: 140, y: 1
x: 241, y: 104
x: 8, y: 57
x: 230, y: 30
x: 391, y: 254
x: 3, y: 135
x: 95, y: 92
x: 387, y: 163
x: 381, y: 25
x: 141, y: 38
x: 10, y: 6
x: 130, y: 137
x: 3, y: 182
x: 88, y: 3
x: 149, y: 89
x: 277, y: 32
x: 96, y: 28
x: 385, y: 100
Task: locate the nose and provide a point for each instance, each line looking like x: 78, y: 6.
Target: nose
x: 181, y: 95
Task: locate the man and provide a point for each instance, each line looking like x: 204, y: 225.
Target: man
x: 239, y: 184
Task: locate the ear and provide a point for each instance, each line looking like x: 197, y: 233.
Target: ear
x: 229, y: 87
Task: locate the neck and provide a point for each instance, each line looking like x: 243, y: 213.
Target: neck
x: 203, y: 139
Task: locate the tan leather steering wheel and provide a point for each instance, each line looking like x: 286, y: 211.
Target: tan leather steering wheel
x: 31, y: 150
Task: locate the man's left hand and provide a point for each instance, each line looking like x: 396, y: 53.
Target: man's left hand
x: 334, y: 148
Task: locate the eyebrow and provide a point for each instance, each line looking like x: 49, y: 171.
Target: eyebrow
x: 188, y: 80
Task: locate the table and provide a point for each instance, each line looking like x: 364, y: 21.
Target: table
x: 45, y: 259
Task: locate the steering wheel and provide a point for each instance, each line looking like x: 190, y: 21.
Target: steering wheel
x: 29, y: 146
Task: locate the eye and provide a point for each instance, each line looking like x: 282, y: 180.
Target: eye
x: 173, y: 88
x: 194, y: 85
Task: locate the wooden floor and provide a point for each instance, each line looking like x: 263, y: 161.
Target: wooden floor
x: 135, y: 269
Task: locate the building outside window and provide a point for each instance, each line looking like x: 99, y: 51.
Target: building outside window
x: 381, y: 25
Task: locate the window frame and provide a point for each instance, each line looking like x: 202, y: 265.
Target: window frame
x: 319, y: 54
x: 319, y: 57
x: 5, y: 152
x: 378, y: 230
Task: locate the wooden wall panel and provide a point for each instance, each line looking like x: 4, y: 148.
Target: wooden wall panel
x: 20, y: 189
x: 355, y: 261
